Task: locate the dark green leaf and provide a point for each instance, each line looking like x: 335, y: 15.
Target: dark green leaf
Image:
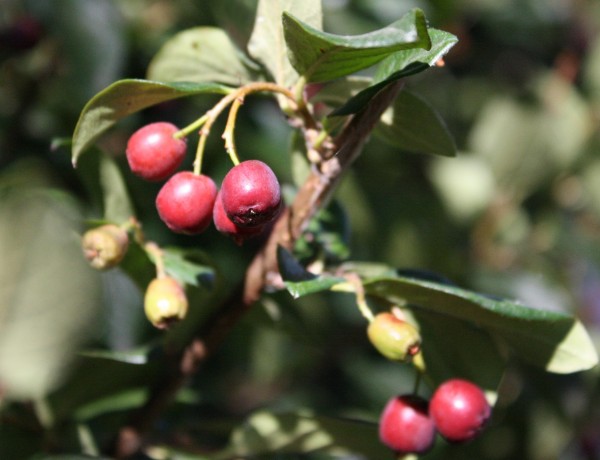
x: 555, y: 341
x: 298, y: 281
x: 399, y: 65
x: 321, y: 56
x: 267, y: 44
x: 124, y: 98
x: 412, y: 125
x: 201, y: 54
x: 139, y: 355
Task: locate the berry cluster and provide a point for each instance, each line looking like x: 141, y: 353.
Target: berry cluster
x: 458, y: 410
x: 248, y: 201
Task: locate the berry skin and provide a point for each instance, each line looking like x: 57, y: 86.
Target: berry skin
x: 394, y: 338
x: 251, y: 194
x: 226, y: 226
x: 405, y: 425
x: 165, y: 302
x: 153, y: 153
x: 185, y: 202
x: 459, y: 409
x: 105, y: 246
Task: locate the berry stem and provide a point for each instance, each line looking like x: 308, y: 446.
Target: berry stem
x: 156, y: 255
x: 361, y: 300
x: 228, y: 134
x: 199, y: 153
x: 187, y: 130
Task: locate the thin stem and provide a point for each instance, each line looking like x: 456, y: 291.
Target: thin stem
x: 228, y: 134
x: 361, y: 300
x: 156, y: 254
x: 187, y: 130
x: 200, y: 153
x: 417, y: 382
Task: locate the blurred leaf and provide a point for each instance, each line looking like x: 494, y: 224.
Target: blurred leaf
x: 267, y: 44
x: 49, y: 296
x: 552, y: 131
x: 400, y: 65
x: 298, y: 281
x: 303, y: 432
x: 551, y: 340
x: 70, y: 457
x: 321, y: 56
x: 201, y: 54
x: 125, y: 400
x: 124, y: 98
x: 141, y: 355
x: 117, y: 204
x: 411, y: 124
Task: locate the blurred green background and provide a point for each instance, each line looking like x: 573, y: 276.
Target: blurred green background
x: 516, y: 214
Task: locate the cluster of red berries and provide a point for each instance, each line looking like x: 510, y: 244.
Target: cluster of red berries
x: 458, y: 411
x: 248, y: 201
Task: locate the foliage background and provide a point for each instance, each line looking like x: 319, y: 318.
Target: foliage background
x: 515, y: 214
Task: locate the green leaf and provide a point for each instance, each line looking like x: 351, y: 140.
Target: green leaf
x: 139, y: 355
x: 303, y: 432
x: 117, y: 204
x: 267, y: 44
x: 321, y: 56
x: 124, y: 98
x: 411, y: 124
x: 188, y: 266
x: 298, y: 281
x: 49, y: 296
x: 400, y: 65
x: 554, y: 341
x: 201, y: 54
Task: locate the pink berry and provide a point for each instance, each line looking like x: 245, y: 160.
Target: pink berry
x: 153, y: 153
x: 459, y: 409
x: 405, y: 425
x: 185, y: 202
x: 251, y: 194
x: 226, y: 226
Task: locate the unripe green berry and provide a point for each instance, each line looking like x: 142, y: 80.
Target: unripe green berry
x: 165, y: 302
x: 105, y: 246
x: 394, y: 338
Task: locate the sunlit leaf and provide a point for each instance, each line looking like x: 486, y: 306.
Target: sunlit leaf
x: 303, y: 432
x: 400, y: 65
x: 201, y: 54
x: 551, y: 340
x: 124, y: 98
x: 117, y: 204
x: 320, y: 56
x: 267, y: 44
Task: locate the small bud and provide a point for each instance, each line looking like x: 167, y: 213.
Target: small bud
x: 104, y: 247
x: 165, y: 302
x: 394, y: 338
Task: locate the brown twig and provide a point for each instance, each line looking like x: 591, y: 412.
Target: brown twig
x: 262, y: 271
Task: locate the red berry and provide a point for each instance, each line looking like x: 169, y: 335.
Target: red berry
x: 405, y: 425
x: 226, y: 226
x: 459, y: 410
x: 153, y: 153
x: 185, y: 202
x: 251, y: 194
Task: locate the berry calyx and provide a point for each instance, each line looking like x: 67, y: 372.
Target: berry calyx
x: 226, y: 226
x: 105, y: 246
x: 394, y: 338
x: 251, y: 194
x: 185, y: 202
x: 165, y: 302
x: 405, y: 425
x: 153, y: 153
x: 459, y: 409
